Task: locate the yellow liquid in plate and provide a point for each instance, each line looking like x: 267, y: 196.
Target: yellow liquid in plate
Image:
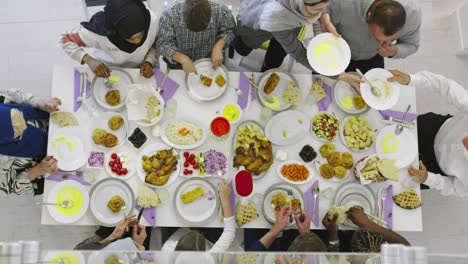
x: 74, y: 196
x: 114, y: 79
x: 68, y: 258
x: 324, y: 54
x: 231, y: 112
x: 389, y: 143
x: 347, y: 102
x: 276, y: 103
x: 65, y: 140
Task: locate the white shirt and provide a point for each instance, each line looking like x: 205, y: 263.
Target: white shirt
x: 220, y: 246
x: 81, y: 41
x: 449, y: 149
x: 125, y: 244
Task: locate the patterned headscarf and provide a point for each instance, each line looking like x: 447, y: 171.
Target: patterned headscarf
x: 366, y: 241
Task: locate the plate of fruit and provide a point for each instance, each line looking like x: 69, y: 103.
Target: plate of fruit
x: 121, y: 162
x: 210, y: 163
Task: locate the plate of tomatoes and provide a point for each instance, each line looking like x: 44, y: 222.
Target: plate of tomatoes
x: 209, y: 163
x: 121, y: 162
x: 325, y: 126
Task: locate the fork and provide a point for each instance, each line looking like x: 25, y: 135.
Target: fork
x: 290, y: 195
x: 265, y: 96
x: 399, y: 127
x: 383, y: 197
x: 315, y: 192
x: 161, y: 87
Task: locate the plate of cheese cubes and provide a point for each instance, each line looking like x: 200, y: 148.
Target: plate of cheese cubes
x: 196, y: 200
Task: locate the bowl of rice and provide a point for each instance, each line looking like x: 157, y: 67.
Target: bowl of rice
x: 183, y: 134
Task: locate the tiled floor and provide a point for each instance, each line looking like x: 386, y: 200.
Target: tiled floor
x: 29, y: 48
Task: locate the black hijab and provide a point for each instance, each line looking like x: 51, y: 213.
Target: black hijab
x: 120, y: 20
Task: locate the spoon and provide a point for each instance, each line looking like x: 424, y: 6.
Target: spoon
x: 375, y: 91
x: 64, y: 204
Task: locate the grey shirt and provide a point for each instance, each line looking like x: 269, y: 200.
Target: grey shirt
x: 350, y: 19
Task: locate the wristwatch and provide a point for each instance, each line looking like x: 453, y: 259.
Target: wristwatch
x: 334, y: 243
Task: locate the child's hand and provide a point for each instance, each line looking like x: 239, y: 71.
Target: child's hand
x: 187, y: 65
x: 217, y: 57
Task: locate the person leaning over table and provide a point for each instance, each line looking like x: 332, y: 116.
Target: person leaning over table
x: 377, y: 29
x: 186, y: 240
x: 23, y: 142
x: 442, y: 140
x: 281, y: 23
x: 123, y: 35
x: 193, y: 30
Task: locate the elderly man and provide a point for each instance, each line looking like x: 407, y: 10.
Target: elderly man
x: 443, y: 140
x: 377, y: 29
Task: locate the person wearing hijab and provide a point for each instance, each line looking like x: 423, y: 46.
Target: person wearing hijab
x: 23, y: 142
x: 281, y: 22
x: 123, y: 35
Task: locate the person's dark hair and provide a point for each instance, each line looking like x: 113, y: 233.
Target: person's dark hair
x: 366, y: 241
x: 388, y: 14
x: 308, y: 242
x: 196, y: 14
x: 192, y: 241
x: 322, y: 1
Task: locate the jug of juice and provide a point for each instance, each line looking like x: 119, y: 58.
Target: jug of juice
x: 243, y: 183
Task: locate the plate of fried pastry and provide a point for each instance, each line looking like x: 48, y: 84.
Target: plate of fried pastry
x: 111, y: 93
x: 335, y: 164
x: 109, y: 130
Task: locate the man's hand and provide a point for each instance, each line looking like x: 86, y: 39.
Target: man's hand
x: 139, y: 234
x: 49, y: 105
x: 121, y: 228
x: 387, y: 50
x: 146, y: 70
x: 421, y: 174
x: 282, y: 220
x: 217, y: 57
x: 330, y: 225
x: 187, y: 65
x: 400, y: 77
x: 99, y: 69
x: 353, y: 80
x: 302, y: 226
x: 358, y: 217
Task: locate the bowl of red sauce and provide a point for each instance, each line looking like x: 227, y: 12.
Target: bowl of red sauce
x: 220, y: 128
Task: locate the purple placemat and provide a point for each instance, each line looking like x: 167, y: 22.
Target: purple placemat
x: 149, y: 214
x: 76, y: 90
x: 309, y: 196
x: 144, y: 256
x: 244, y: 85
x: 169, y: 87
x: 325, y: 102
x: 62, y: 177
x: 388, y: 214
x: 399, y: 115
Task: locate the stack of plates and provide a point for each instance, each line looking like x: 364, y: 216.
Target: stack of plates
x: 355, y: 194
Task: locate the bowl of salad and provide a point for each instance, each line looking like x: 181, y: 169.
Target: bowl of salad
x: 325, y: 126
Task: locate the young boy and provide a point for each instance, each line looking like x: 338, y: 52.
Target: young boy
x: 195, y: 29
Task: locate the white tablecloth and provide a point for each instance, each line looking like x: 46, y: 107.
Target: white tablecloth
x: 62, y: 87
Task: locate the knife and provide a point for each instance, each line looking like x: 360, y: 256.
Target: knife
x: 140, y: 214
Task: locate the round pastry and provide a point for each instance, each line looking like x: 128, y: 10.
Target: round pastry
x: 340, y: 172
x: 113, y: 260
x: 110, y: 140
x: 359, y: 102
x: 116, y: 203
x: 113, y: 97
x: 327, y: 171
x: 115, y: 122
x: 334, y: 159
x: 347, y: 160
x: 326, y: 149
x: 99, y: 135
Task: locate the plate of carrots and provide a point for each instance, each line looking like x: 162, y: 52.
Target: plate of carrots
x: 295, y: 172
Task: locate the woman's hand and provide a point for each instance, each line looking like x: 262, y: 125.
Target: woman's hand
x: 139, y: 235
x: 420, y: 173
x: 302, y: 226
x: 47, y: 166
x: 98, y: 68
x: 282, y: 220
x: 146, y: 70
x: 121, y: 228
x: 327, y: 25
x: 358, y: 217
x: 224, y: 192
x: 49, y: 105
x: 400, y: 77
x: 353, y: 80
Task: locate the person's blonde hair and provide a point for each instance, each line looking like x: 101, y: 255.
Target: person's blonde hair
x: 192, y: 241
x: 308, y: 242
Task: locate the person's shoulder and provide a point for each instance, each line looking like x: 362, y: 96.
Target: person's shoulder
x: 172, y: 8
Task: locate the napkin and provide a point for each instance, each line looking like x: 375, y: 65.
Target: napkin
x: 149, y: 214
x: 399, y: 115
x: 325, y: 102
x: 169, y: 87
x: 137, y: 98
x: 144, y: 256
x: 77, y: 90
x: 64, y: 176
x: 244, y: 85
x: 309, y: 196
x: 388, y: 213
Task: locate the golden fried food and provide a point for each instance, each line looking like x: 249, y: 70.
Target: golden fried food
x: 113, y: 260
x: 295, y: 205
x: 340, y: 172
x: 116, y: 203
x: 334, y: 159
x: 327, y: 171
x: 99, y: 136
x: 193, y: 195
x: 147, y: 165
x: 279, y: 199
x: 326, y: 149
x: 110, y: 140
x: 160, y: 166
x: 153, y: 107
x: 113, y: 97
x: 220, y: 81
x: 295, y: 172
x: 359, y: 102
x: 206, y: 81
x: 115, y: 122
x: 271, y: 83
x: 347, y: 160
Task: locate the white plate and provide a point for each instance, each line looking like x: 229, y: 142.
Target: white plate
x: 99, y: 257
x: 196, y: 172
x: 180, y: 146
x: 99, y: 89
x: 52, y: 198
x: 131, y: 164
x: 278, y: 171
x: 378, y: 78
x: 200, y: 92
x: 139, y: 94
x: 70, y: 160
x: 323, y: 139
x: 328, y: 55
x: 149, y: 151
x: 351, y: 194
x: 200, y: 210
x: 343, y: 140
x: 285, y: 79
x: 100, y: 195
x: 340, y: 91
x: 269, y: 209
x: 101, y: 121
x: 192, y: 257
x: 293, y: 123
x: 70, y: 257
x: 407, y: 150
